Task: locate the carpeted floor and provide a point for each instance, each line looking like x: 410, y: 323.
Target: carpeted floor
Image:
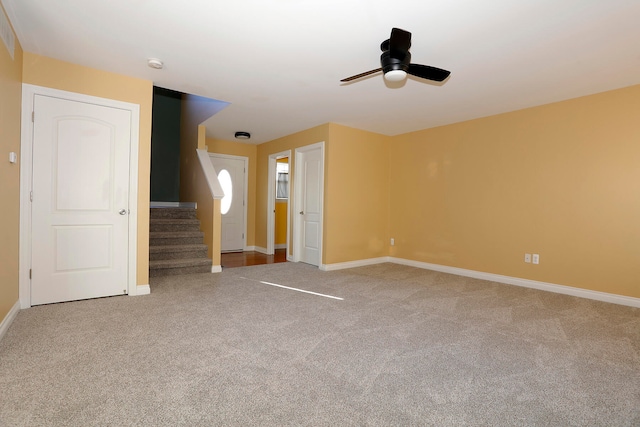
x: 403, y: 347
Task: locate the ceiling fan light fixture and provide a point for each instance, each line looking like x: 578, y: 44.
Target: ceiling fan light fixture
x: 395, y: 75
x: 242, y: 135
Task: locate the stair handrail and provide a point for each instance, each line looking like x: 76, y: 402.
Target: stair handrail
x: 210, y: 174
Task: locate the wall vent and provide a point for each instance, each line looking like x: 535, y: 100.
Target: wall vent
x: 6, y: 33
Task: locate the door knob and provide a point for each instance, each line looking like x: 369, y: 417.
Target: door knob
x: 301, y: 212
x: 122, y: 211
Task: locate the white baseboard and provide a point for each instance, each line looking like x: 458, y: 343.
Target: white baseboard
x: 353, y: 264
x: 260, y: 249
x: 143, y: 290
x: 249, y: 248
x: 216, y: 269
x: 280, y: 246
x: 8, y: 319
x: 534, y: 284
x: 508, y: 280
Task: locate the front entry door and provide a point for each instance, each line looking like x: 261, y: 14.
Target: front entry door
x: 231, y: 174
x: 80, y: 212
x: 309, y: 167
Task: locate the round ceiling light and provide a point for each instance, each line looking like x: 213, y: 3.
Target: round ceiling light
x: 242, y: 135
x: 395, y: 75
x: 155, y: 63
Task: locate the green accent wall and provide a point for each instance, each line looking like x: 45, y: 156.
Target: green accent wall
x: 165, y: 145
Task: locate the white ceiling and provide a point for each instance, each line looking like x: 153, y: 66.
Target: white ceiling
x: 278, y: 62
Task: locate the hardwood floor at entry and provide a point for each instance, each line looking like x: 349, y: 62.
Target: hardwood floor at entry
x: 243, y: 259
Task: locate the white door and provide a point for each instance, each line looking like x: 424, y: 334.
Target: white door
x: 80, y: 200
x: 231, y: 174
x: 310, y: 176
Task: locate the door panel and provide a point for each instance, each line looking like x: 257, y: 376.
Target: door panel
x: 311, y: 210
x: 80, y: 185
x: 232, y: 206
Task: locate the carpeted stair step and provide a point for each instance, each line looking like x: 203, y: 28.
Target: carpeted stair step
x: 176, y: 243
x: 174, y: 267
x: 172, y: 238
x: 174, y: 224
x: 164, y: 213
x: 164, y: 252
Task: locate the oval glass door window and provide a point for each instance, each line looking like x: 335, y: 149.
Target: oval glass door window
x: 227, y: 186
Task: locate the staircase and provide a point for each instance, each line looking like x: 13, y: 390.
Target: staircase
x: 176, y: 243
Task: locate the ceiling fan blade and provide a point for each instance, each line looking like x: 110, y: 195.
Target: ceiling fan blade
x: 357, y: 76
x: 427, y: 72
x: 400, y: 41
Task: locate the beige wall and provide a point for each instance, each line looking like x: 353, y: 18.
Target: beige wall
x: 10, y: 107
x: 245, y: 150
x: 561, y: 180
x: 52, y: 73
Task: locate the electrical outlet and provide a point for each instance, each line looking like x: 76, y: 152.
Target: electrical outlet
x: 536, y: 258
x: 527, y: 257
x: 393, y: 241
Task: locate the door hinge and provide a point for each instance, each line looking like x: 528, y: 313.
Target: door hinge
x: 29, y: 273
x: 31, y: 196
x: 243, y: 235
x: 33, y: 116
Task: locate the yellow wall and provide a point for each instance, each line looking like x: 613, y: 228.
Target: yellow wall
x: 10, y: 107
x: 245, y: 150
x: 281, y: 222
x: 282, y: 207
x: 356, y: 195
x: 561, y: 180
x: 355, y: 190
x: 290, y: 142
x: 193, y: 182
x: 52, y: 73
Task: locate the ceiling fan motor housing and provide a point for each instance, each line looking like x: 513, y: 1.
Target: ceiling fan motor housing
x: 391, y: 62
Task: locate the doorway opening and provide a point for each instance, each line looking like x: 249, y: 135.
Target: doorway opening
x: 279, y: 206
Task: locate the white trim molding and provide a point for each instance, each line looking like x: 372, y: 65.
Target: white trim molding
x: 508, y: 280
x: 271, y: 200
x: 8, y: 319
x: 216, y: 269
x: 354, y: 264
x: 526, y: 283
x: 142, y: 290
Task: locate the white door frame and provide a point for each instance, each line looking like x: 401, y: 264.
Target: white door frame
x: 299, y: 197
x: 26, y: 156
x: 271, y: 202
x: 245, y: 190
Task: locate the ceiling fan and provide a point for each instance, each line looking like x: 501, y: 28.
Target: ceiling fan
x: 396, y: 61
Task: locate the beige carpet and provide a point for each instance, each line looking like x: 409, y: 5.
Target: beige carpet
x: 403, y: 347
